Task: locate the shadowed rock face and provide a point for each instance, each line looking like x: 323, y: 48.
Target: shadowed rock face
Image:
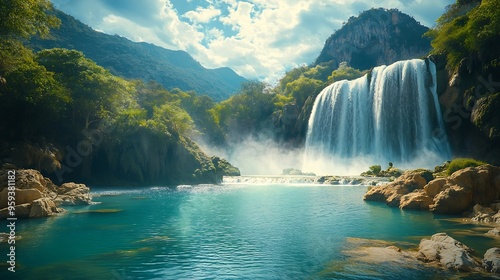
x: 491, y: 261
x: 36, y: 196
x: 376, y: 37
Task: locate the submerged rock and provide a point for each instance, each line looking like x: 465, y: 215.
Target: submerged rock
x: 445, y: 251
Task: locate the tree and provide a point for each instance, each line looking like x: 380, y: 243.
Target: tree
x: 93, y: 89
x: 468, y: 28
x: 24, y: 18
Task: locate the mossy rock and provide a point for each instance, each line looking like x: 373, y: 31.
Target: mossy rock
x: 461, y: 163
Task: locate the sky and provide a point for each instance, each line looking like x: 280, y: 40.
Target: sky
x: 259, y: 39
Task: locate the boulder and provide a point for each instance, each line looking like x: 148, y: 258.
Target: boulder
x: 494, y: 232
x: 482, y: 214
x: 21, y: 211
x: 445, y: 251
x: 37, y: 196
x: 453, y: 200
x: 22, y: 196
x: 466, y: 188
x: 73, y: 194
x: 418, y: 200
x: 393, y: 192
x: 491, y: 260
x: 435, y: 186
x: 43, y: 207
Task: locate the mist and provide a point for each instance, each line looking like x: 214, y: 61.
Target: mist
x: 258, y: 156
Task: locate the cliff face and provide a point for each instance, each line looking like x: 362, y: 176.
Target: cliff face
x: 376, y: 37
x: 470, y: 102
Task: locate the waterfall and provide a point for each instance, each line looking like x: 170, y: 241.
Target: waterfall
x: 391, y: 114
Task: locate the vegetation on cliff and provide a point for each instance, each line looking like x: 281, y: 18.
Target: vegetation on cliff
x: 467, y: 35
x: 71, y: 118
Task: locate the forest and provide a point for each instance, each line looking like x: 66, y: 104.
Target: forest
x: 49, y: 98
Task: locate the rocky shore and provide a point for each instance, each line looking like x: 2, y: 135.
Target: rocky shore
x: 37, y: 196
x: 472, y: 191
x: 439, y: 251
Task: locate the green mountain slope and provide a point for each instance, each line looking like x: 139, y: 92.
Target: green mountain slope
x: 172, y: 69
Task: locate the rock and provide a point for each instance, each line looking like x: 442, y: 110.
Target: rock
x: 482, y: 214
x: 393, y: 192
x: 22, y: 196
x: 37, y: 196
x: 435, y: 186
x: 43, y: 207
x: 494, y: 232
x: 495, y: 206
x: 21, y: 211
x: 491, y: 260
x: 73, y: 194
x: 466, y: 188
x: 445, y: 251
x: 417, y: 199
x: 453, y: 200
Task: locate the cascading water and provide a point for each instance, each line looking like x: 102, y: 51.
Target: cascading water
x: 391, y: 114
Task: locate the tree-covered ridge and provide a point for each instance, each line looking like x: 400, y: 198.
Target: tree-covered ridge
x: 469, y: 28
x: 147, y: 62
x: 71, y: 118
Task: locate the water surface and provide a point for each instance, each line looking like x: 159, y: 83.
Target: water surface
x: 226, y: 232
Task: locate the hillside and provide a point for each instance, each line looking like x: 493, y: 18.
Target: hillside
x: 376, y: 37
x: 172, y: 69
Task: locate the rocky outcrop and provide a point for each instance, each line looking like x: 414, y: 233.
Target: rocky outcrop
x: 466, y: 188
x: 36, y: 196
x: 491, y: 260
x: 418, y: 200
x: 455, y: 194
x: 376, y: 37
x: 407, y: 183
x: 447, y: 252
x: 73, y: 194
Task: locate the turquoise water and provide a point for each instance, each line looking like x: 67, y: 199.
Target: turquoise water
x: 226, y: 232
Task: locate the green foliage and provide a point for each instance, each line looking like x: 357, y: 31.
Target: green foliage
x: 247, y: 112
x: 345, y: 72
x: 461, y: 163
x: 375, y: 169
x: 24, y: 18
x: 468, y: 28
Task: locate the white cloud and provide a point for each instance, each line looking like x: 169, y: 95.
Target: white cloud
x: 202, y: 15
x: 268, y: 37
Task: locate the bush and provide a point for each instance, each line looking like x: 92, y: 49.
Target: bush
x: 375, y: 169
x: 461, y: 163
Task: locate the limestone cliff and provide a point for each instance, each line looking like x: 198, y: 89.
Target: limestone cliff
x: 376, y: 37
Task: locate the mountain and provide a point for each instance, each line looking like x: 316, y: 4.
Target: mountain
x: 172, y: 69
x: 376, y: 37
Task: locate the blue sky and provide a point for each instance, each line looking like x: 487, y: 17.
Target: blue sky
x: 259, y: 39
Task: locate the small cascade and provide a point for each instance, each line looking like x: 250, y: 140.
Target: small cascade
x: 391, y: 114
